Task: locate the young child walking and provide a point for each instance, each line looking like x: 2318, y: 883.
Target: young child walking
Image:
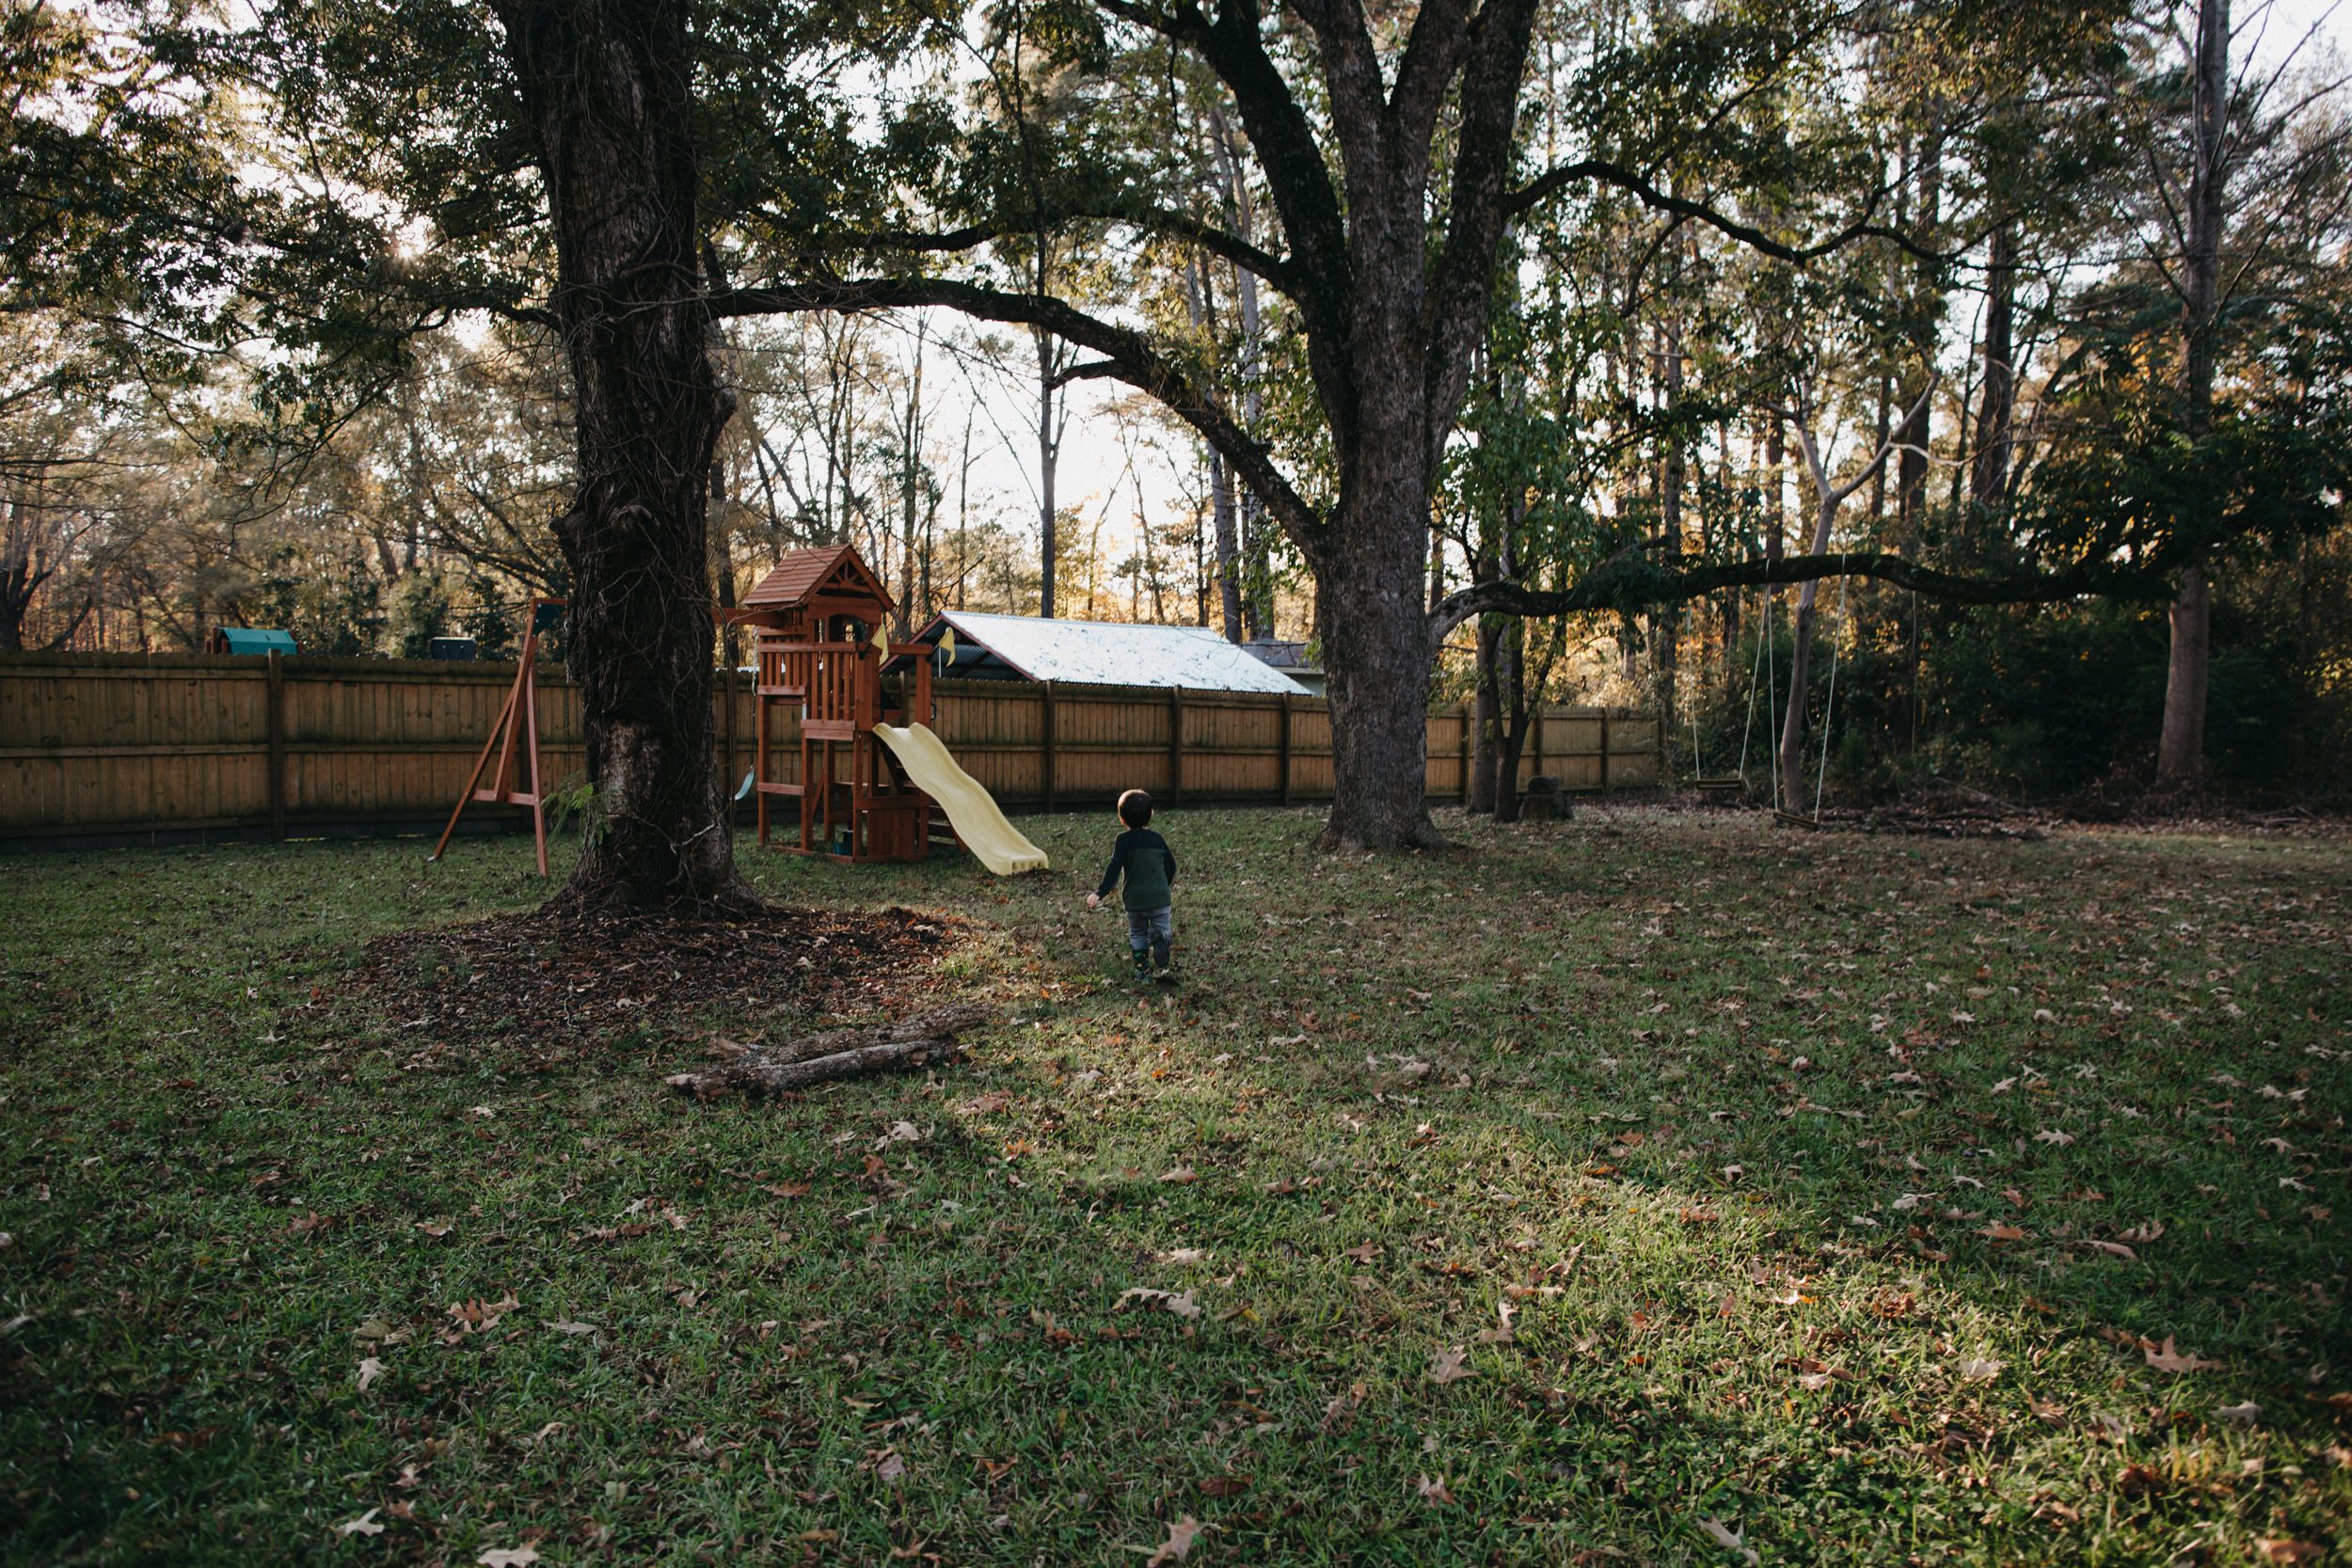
x: 1142, y: 857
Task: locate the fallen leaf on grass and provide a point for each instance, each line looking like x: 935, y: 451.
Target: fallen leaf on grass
x: 1178, y: 1546
x: 564, y: 1325
x: 890, y: 1469
x: 2113, y: 1249
x: 2139, y: 1481
x: 1183, y: 1304
x: 1340, y: 1411
x: 2240, y: 1415
x: 1364, y: 1254
x: 369, y: 1370
x: 2170, y: 1361
x: 1501, y: 1333
x: 1723, y: 1536
x: 1225, y: 1486
x: 2002, y: 1233
x: 1180, y: 1175
x: 477, y: 1316
x: 1432, y: 1491
x: 1980, y: 1369
x: 508, y: 1557
x: 2051, y: 1135
x: 2278, y: 1549
x: 364, y: 1525
x: 1184, y: 1255
x: 1446, y: 1366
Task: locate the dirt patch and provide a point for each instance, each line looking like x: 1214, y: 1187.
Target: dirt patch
x: 563, y: 977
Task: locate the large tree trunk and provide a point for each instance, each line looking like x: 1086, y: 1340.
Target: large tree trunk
x: 1049, y: 397
x: 1375, y: 625
x: 1485, y: 716
x: 609, y: 93
x: 2181, y: 747
x: 1911, y: 465
x: 1792, y: 791
x: 1511, y: 680
x: 1228, y: 544
x: 1988, y: 474
x: 1200, y: 305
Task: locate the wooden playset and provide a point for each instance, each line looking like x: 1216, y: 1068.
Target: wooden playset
x: 819, y: 639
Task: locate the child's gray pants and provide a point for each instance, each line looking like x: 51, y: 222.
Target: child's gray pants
x: 1153, y: 929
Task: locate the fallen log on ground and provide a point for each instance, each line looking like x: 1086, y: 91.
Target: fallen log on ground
x: 836, y: 1054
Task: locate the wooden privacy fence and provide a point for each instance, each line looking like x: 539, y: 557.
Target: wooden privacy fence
x: 100, y: 748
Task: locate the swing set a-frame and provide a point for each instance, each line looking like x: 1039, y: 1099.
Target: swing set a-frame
x: 515, y: 735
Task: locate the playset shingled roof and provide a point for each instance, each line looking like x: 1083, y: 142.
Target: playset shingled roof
x: 803, y: 574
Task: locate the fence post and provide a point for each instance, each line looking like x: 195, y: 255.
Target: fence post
x: 1467, y: 726
x: 1175, y: 744
x: 276, y: 701
x: 1286, y: 749
x: 1604, y: 751
x: 1050, y: 739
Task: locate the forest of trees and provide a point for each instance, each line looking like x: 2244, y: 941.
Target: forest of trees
x: 1987, y: 359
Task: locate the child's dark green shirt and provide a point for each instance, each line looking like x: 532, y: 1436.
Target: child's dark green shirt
x: 1151, y: 870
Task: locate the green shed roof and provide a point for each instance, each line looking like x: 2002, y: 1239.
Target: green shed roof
x: 257, y: 640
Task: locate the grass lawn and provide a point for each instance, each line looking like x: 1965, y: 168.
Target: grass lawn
x: 1647, y: 1189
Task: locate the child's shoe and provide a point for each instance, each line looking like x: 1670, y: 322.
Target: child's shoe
x: 1167, y: 976
x: 1143, y: 972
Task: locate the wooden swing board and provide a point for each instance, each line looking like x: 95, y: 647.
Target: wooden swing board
x: 1790, y: 819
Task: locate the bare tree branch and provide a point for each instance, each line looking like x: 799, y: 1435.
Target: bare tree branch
x: 1554, y: 180
x: 1128, y: 355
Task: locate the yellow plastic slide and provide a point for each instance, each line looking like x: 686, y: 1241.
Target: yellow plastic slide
x: 970, y: 808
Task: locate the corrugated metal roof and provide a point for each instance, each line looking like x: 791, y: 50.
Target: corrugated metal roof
x: 1104, y: 653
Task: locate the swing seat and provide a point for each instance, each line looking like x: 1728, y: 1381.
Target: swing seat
x: 1790, y: 819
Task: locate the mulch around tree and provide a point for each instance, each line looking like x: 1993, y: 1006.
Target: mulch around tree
x: 563, y: 977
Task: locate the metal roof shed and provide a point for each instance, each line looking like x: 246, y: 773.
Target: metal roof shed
x: 250, y: 639
x: 1100, y: 653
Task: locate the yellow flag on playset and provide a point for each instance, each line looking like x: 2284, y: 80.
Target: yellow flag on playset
x: 881, y: 638
x: 948, y: 643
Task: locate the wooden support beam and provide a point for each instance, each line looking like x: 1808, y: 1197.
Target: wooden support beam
x: 1604, y: 749
x: 760, y: 758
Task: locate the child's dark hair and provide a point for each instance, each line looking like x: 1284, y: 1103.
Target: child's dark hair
x: 1134, y: 808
